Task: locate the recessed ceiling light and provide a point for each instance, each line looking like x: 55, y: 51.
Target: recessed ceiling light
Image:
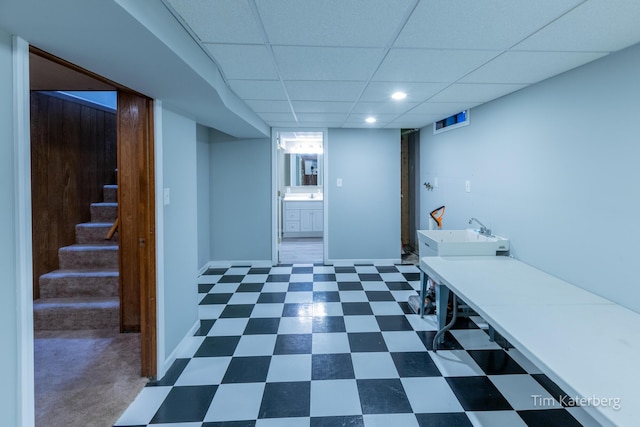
x: 399, y: 95
x: 370, y: 120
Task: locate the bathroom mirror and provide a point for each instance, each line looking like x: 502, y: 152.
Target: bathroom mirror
x: 303, y: 169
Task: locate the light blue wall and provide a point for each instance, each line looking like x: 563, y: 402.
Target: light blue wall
x: 9, y: 388
x: 179, y: 148
x: 363, y: 214
x: 555, y: 168
x: 204, y: 199
x: 240, y: 199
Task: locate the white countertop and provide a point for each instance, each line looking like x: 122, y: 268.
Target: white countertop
x: 514, y: 281
x: 587, y: 344
x: 292, y: 197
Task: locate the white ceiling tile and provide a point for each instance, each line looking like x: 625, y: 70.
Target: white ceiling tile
x: 395, y: 107
x: 409, y: 123
x: 412, y: 116
x: 220, y: 21
x: 324, y: 90
x: 322, y: 117
x: 326, y: 63
x: 475, y: 24
x: 441, y: 109
x: 363, y: 23
x: 321, y: 107
x: 430, y: 65
x: 412, y: 120
x: 269, y: 106
x: 285, y: 124
x: 472, y: 92
x: 277, y: 117
x: 596, y: 25
x: 316, y: 125
x: 416, y: 92
x: 358, y: 125
x: 381, y: 119
x: 258, y: 89
x: 528, y: 67
x: 244, y: 61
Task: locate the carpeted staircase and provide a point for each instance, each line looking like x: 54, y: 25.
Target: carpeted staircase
x: 83, y: 293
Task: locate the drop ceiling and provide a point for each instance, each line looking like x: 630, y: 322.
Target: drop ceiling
x: 333, y: 63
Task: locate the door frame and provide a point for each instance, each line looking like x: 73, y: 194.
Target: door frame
x: 148, y: 286
x: 24, y: 246
x: 137, y: 229
x: 275, y: 197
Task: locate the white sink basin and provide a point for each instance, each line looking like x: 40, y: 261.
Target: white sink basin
x: 459, y: 243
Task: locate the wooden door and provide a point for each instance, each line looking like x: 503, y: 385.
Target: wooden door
x: 136, y: 213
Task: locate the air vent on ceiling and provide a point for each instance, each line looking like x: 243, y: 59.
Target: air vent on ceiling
x: 452, y: 122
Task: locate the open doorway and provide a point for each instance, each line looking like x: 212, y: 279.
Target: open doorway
x: 85, y: 367
x: 410, y: 191
x: 300, y: 168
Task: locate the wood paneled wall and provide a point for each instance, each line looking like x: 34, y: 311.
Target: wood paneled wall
x: 73, y: 154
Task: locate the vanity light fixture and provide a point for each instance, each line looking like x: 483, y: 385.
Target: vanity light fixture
x: 301, y: 144
x: 399, y: 96
x: 370, y: 120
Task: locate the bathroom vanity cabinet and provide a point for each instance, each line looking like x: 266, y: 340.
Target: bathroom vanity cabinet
x: 303, y: 218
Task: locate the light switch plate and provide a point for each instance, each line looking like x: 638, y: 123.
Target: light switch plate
x: 166, y: 194
x: 467, y: 186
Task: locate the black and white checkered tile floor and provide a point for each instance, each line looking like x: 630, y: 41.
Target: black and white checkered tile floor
x: 318, y: 346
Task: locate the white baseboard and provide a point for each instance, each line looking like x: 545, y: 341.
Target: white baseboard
x: 351, y: 262
x: 267, y: 263
x: 203, y: 269
x: 243, y: 263
x: 166, y: 364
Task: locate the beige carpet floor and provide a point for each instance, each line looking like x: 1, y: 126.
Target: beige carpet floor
x: 85, y: 378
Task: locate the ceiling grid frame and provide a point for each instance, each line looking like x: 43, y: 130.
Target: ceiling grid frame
x: 318, y: 96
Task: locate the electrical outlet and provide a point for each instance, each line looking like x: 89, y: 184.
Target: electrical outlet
x: 467, y: 186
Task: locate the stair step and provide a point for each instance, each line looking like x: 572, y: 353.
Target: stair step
x: 110, y: 193
x: 79, y: 283
x: 104, y: 212
x: 94, y: 232
x: 76, y: 313
x: 94, y: 256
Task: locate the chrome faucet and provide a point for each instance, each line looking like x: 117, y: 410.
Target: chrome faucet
x: 483, y: 228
